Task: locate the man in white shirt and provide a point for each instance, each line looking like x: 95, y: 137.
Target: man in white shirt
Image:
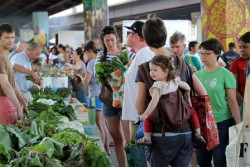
x: 21, y: 63
x: 135, y: 41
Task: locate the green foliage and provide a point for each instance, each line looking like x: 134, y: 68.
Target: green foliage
x: 4, y: 155
x: 104, y: 69
x: 68, y: 136
x: 94, y: 157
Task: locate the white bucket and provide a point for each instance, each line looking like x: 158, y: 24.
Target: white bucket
x: 47, y: 82
x: 60, y: 82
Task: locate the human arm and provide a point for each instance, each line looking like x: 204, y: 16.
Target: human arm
x: 24, y: 70
x: 198, y: 87
x: 152, y: 104
x: 239, y: 98
x: 77, y: 66
x: 87, y: 78
x: 66, y: 57
x: 184, y: 86
x: 10, y: 93
x: 141, y: 98
x: 20, y: 98
x: 232, y: 102
x: 221, y: 62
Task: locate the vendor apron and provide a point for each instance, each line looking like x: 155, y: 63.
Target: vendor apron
x: 8, y: 112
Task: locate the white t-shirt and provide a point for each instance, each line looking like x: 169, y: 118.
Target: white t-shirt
x: 129, y: 111
x: 43, y: 57
x: 52, y: 56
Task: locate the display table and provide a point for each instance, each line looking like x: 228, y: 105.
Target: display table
x: 57, y: 82
x: 83, y: 116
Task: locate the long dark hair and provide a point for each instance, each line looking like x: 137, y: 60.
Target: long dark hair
x: 105, y: 31
x: 90, y: 46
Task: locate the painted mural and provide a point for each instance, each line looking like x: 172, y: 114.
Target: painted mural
x: 225, y: 20
x: 95, y: 18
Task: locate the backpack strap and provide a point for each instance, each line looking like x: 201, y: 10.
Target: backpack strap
x: 145, y: 74
x: 181, y: 65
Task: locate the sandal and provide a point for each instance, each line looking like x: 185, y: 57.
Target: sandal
x: 144, y: 141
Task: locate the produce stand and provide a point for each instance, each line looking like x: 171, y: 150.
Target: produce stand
x: 52, y: 136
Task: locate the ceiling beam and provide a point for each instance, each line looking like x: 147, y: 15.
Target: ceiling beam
x: 27, y: 7
x: 57, y: 4
x: 6, y: 4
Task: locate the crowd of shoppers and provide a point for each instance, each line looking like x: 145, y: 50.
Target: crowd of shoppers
x: 203, y: 71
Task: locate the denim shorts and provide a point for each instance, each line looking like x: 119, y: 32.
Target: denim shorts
x: 95, y: 102
x: 111, y: 111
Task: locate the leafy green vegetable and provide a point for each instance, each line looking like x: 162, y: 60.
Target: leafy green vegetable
x: 94, y: 157
x: 4, y: 155
x: 55, y: 147
x: 68, y: 136
x: 104, y: 69
x: 76, y: 155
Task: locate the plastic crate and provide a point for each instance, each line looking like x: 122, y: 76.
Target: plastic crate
x: 89, y: 129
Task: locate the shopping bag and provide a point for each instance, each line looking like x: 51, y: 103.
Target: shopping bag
x: 136, y: 156
x: 140, y: 132
x: 208, y: 125
x: 238, y: 149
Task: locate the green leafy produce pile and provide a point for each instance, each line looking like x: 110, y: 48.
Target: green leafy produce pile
x: 61, y: 92
x: 104, y: 69
x: 37, y: 142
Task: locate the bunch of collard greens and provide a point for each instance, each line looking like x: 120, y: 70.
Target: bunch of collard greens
x: 37, y: 142
x: 105, y: 68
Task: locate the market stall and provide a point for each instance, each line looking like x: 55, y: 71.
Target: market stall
x: 53, y: 135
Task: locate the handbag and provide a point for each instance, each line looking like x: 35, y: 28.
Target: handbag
x: 106, y: 94
x: 238, y: 149
x: 208, y: 125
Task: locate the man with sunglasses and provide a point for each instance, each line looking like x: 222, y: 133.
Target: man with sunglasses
x: 135, y: 41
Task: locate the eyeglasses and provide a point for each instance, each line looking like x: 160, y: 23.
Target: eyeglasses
x: 130, y: 32
x: 206, y: 54
x: 244, y: 47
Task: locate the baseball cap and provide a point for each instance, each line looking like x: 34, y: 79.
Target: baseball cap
x: 136, y: 27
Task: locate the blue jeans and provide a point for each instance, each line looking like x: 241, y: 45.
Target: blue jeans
x: 218, y: 154
x: 179, y: 151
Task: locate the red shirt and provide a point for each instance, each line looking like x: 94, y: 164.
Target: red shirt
x: 239, y: 67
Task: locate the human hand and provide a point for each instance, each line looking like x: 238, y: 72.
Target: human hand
x: 36, y: 78
x: 143, y: 117
x: 194, y: 69
x: 20, y: 113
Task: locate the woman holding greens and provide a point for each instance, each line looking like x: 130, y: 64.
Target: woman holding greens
x: 110, y: 67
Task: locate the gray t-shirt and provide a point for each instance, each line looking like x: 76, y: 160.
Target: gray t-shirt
x: 94, y: 86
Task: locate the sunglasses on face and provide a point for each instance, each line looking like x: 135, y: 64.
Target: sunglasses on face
x: 130, y: 32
